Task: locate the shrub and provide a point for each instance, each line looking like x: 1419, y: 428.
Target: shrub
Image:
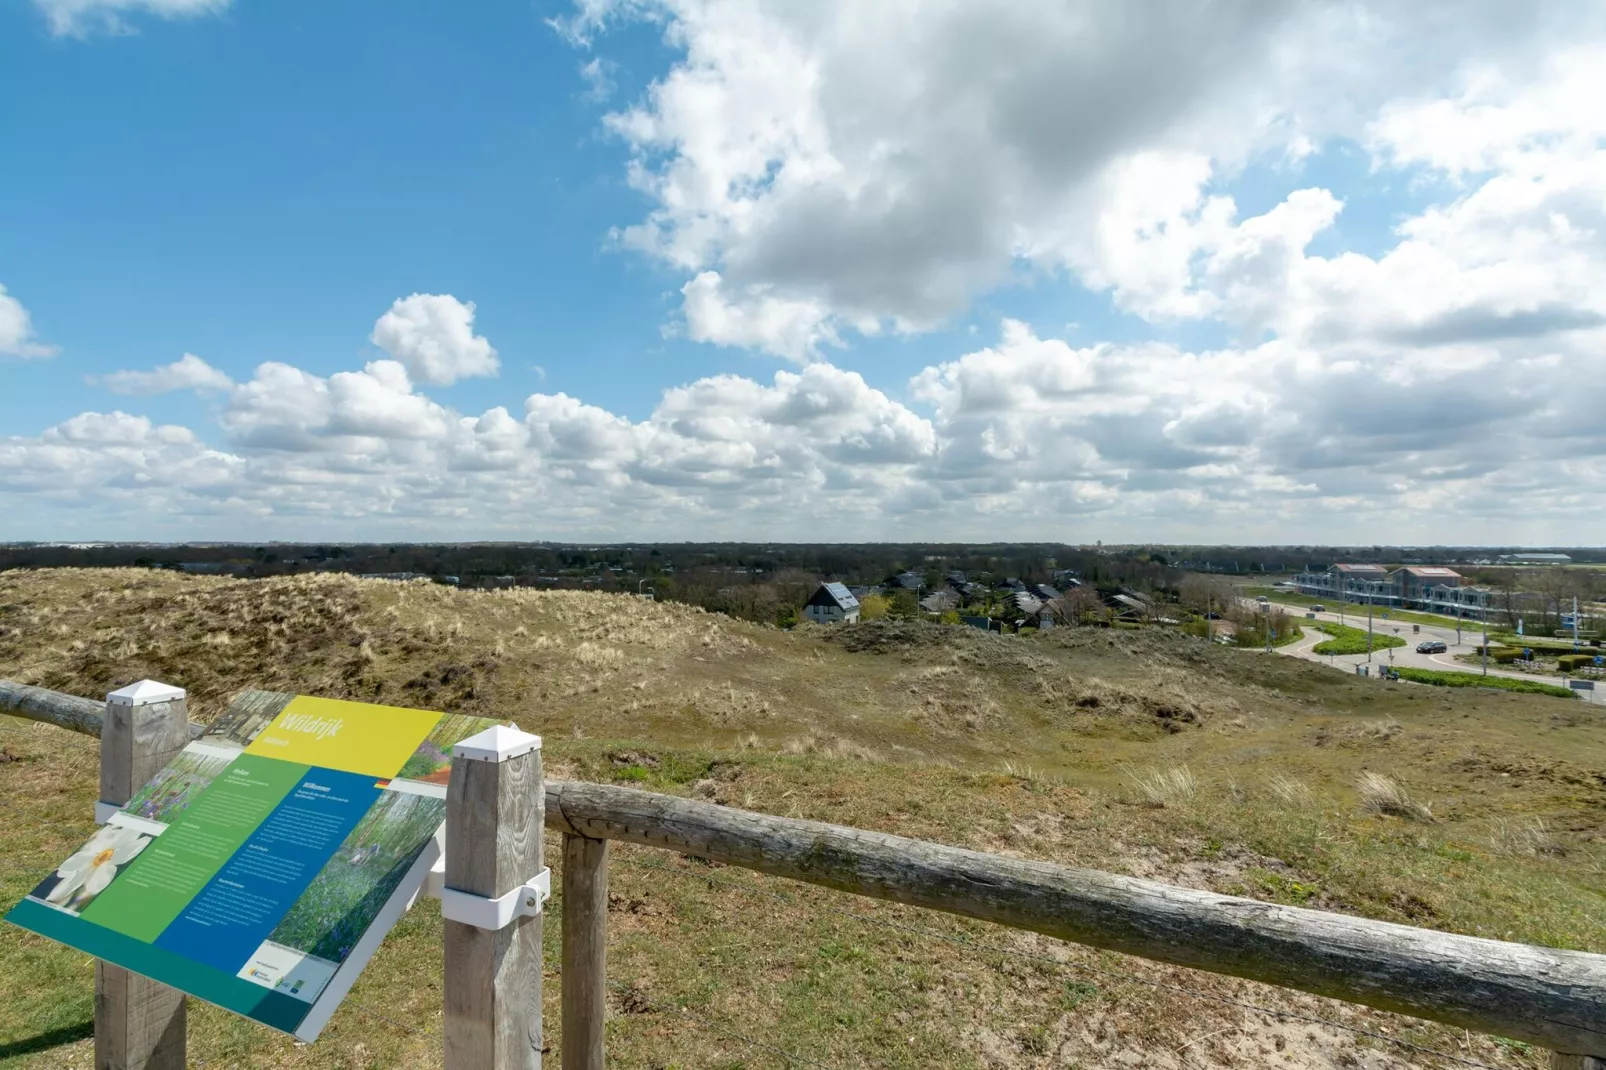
x: 1381, y: 795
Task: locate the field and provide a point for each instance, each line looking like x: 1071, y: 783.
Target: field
x: 1347, y: 640
x: 1142, y: 752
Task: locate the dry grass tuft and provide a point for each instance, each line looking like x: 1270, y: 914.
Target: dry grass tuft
x: 1166, y: 787
x: 1290, y: 790
x: 1525, y: 837
x: 1382, y: 795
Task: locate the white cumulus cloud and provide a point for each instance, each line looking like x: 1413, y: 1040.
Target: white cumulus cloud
x: 189, y: 372
x: 16, y: 330
x: 815, y: 167
x: 432, y: 336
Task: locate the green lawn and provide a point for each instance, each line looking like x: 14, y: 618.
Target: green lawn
x: 1347, y: 640
x: 1472, y: 679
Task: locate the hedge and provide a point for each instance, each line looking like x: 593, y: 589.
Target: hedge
x: 1472, y: 679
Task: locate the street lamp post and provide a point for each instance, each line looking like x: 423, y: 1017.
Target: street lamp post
x: 1486, y: 643
x: 1368, y: 633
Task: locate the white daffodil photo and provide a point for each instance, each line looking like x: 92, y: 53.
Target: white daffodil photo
x: 87, y: 873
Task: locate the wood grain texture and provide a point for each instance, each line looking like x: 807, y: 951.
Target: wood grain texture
x: 585, y: 951
x: 494, y: 815
x: 139, y: 1024
x: 51, y: 707
x: 136, y: 742
x: 1549, y: 998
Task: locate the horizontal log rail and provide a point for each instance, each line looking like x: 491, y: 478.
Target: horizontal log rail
x: 1551, y: 998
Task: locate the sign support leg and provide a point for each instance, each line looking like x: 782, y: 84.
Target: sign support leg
x: 139, y: 1024
x: 495, y: 818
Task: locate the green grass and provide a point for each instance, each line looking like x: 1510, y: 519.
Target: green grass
x: 1472, y: 679
x: 1347, y: 640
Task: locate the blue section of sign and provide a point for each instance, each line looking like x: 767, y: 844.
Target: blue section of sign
x: 241, y: 905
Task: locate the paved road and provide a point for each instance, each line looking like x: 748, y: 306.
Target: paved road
x: 1471, y: 638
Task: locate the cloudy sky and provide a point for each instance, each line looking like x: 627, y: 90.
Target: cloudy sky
x: 1248, y: 270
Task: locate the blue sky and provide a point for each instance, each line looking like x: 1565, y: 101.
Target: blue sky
x: 252, y: 182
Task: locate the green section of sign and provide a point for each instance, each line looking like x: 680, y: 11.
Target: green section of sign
x: 230, y: 993
x: 146, y: 897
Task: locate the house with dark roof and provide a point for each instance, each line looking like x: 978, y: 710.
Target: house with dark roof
x: 939, y: 602
x: 1023, y: 604
x: 833, y: 603
x: 910, y: 581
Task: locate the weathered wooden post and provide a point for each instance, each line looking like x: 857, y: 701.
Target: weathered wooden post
x: 585, y: 943
x: 139, y: 1024
x: 494, y: 887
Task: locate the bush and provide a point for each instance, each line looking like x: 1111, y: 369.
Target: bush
x: 1472, y: 679
x: 1506, y: 657
x: 1574, y: 662
x: 1347, y: 640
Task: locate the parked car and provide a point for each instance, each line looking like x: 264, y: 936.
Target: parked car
x: 1318, y: 608
x: 1431, y: 646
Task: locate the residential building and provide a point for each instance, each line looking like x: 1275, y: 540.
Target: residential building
x: 1433, y: 588
x: 939, y: 602
x: 1535, y: 559
x: 1344, y: 583
x: 832, y: 604
x: 1023, y: 604
x: 1413, y: 581
x: 910, y: 581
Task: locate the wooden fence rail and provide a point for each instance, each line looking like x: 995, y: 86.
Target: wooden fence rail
x: 1550, y: 998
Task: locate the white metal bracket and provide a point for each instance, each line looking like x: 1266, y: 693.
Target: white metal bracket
x: 483, y: 912
x: 104, y: 811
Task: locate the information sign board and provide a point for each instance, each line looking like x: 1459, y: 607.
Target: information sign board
x: 261, y: 867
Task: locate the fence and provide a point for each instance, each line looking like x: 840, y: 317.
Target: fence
x: 496, y: 810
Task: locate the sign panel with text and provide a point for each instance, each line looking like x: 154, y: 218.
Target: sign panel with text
x: 262, y: 866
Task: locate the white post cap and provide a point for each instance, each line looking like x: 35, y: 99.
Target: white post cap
x: 497, y: 744
x: 144, y: 693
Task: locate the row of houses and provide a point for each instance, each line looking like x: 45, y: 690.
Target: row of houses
x: 1026, y: 605
x: 1432, y: 588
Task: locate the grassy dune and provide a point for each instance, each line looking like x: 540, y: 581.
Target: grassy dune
x: 1139, y: 752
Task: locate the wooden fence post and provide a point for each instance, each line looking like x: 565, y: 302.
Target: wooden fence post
x: 585, y: 950
x: 495, y: 818
x: 139, y: 1024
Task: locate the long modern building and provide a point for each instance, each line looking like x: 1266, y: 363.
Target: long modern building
x: 1432, y: 588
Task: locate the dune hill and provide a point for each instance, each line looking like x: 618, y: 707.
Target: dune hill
x: 1142, y: 752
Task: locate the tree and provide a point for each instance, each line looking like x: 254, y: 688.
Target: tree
x: 873, y: 606
x: 904, y: 606
x: 1205, y: 594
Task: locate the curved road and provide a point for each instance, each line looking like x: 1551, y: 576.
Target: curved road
x: 1471, y: 639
